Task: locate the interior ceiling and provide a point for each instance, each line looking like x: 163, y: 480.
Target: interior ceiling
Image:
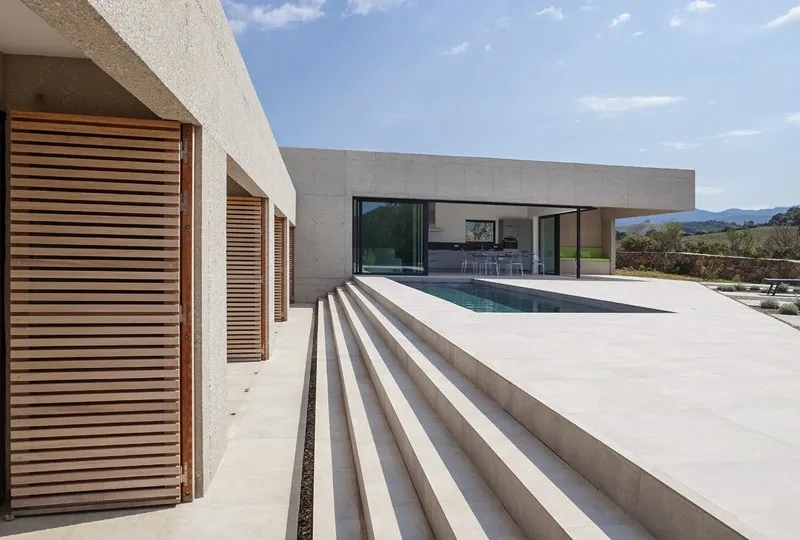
x: 23, y: 32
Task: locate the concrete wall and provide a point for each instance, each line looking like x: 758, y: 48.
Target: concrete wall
x: 64, y: 85
x: 450, y: 218
x: 327, y: 180
x: 180, y: 59
x: 175, y: 60
x: 210, y: 319
x: 591, y: 229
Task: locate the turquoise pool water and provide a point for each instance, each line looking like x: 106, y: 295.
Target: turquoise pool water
x: 485, y: 299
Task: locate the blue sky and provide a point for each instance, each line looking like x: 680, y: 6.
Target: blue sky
x: 710, y: 85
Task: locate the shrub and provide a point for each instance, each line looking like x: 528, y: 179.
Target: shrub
x: 797, y: 302
x: 726, y: 288
x: 769, y: 304
x: 740, y: 286
x: 668, y: 236
x: 789, y: 309
x: 638, y: 243
x: 755, y: 288
x: 741, y: 242
x: 783, y: 243
x: 783, y: 288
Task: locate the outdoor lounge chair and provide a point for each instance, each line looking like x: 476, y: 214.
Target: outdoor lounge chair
x: 774, y: 283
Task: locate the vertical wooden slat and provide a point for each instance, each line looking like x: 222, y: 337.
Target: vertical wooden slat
x: 291, y: 264
x: 265, y: 315
x: 187, y: 365
x: 94, y: 313
x: 280, y: 269
x: 245, y: 279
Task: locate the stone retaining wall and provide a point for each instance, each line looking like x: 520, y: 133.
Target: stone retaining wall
x: 711, y: 266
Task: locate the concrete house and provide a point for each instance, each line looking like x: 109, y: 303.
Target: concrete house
x: 156, y: 233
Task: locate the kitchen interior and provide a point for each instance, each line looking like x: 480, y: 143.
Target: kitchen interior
x: 452, y: 228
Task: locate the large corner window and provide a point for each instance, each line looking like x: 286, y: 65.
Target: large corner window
x: 389, y: 236
x: 480, y: 231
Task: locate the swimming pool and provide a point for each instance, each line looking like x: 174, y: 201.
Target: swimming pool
x: 486, y: 299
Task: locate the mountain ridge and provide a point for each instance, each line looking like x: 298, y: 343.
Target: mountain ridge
x: 731, y: 215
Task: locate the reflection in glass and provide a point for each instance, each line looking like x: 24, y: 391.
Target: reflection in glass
x: 389, y: 237
x: 548, y: 227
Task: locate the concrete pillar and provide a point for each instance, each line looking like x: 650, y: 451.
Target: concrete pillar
x: 609, y: 237
x: 210, y: 298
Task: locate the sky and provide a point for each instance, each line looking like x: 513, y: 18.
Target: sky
x: 709, y: 85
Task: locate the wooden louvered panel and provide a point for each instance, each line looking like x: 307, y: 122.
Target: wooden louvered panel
x: 280, y: 269
x: 246, y: 341
x: 291, y: 264
x: 94, y: 296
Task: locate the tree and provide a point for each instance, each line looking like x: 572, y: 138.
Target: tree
x: 668, y: 236
x: 741, y: 242
x: 638, y: 243
x: 783, y: 243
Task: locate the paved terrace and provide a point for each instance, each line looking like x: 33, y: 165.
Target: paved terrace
x: 708, y: 394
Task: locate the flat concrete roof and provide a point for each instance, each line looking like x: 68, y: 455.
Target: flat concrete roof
x: 707, y: 394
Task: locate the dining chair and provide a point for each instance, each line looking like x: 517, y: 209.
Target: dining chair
x: 466, y: 261
x: 537, y: 263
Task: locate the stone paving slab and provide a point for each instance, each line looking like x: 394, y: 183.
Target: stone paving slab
x: 255, y: 490
x: 705, y: 393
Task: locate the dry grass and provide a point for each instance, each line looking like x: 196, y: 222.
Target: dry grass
x: 663, y: 275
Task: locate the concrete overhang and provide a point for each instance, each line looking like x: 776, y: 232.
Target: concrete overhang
x: 24, y: 32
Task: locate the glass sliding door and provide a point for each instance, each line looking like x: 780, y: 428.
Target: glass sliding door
x: 549, y: 244
x: 390, y: 237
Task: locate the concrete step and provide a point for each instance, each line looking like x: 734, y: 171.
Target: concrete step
x: 390, y: 506
x: 544, y: 495
x: 458, y: 502
x: 337, y: 505
x: 662, y: 505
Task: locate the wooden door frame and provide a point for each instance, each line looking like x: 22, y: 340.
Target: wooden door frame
x: 5, y: 367
x: 187, y: 315
x: 266, y: 315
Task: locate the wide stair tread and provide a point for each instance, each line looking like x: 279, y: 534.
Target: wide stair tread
x: 337, y: 504
x: 545, y: 496
x: 391, y: 508
x: 457, y: 500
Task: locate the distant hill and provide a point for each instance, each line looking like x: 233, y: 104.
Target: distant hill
x: 731, y: 215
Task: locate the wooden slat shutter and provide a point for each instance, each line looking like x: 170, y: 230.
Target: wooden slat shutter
x: 280, y: 269
x: 94, y: 313
x: 291, y: 265
x: 245, y: 279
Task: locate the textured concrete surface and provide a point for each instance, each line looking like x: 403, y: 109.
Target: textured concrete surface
x: 707, y: 396
x: 64, y: 85
x: 196, y: 77
x: 327, y: 180
x: 210, y: 323
x: 255, y: 491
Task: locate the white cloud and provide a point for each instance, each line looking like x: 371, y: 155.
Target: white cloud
x: 502, y: 22
x: 642, y: 150
x: 589, y: 6
x: 623, y: 104
x: 365, y: 7
x: 269, y: 17
x: 487, y: 48
x: 700, y: 6
x: 793, y: 118
x: 637, y: 34
x: 791, y: 16
x: 736, y: 133
x: 709, y: 190
x: 676, y: 21
x: 679, y: 145
x: 554, y: 13
x: 458, y: 49
x: 621, y: 19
